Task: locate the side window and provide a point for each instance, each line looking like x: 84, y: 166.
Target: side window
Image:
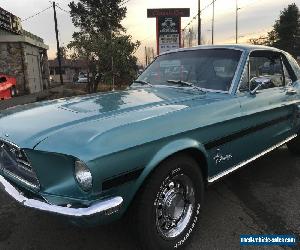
x: 267, y: 67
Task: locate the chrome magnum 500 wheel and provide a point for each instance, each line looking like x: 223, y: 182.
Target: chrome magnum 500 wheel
x: 168, y: 206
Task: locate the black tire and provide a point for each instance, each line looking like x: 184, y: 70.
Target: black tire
x: 294, y: 146
x: 151, y: 227
x: 13, y: 91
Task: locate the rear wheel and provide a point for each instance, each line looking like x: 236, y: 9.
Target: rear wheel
x: 169, y: 204
x: 13, y: 91
x: 294, y: 146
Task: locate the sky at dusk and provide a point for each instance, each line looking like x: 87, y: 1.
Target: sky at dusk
x: 256, y: 17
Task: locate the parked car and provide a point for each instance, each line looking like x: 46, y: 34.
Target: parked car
x: 7, y: 87
x: 81, y: 78
x: 149, y: 152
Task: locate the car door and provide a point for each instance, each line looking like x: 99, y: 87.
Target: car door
x: 267, y: 104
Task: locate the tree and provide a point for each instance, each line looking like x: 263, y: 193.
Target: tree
x: 262, y: 40
x: 102, y: 42
x: 285, y: 34
x: 63, y: 53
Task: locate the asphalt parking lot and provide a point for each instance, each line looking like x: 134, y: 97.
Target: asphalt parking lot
x: 262, y: 198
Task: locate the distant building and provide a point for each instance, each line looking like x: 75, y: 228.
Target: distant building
x: 22, y: 55
x: 70, y: 69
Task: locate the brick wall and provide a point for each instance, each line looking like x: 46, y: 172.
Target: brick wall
x: 11, y: 63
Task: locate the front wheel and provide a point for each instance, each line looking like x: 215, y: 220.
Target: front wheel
x: 169, y: 204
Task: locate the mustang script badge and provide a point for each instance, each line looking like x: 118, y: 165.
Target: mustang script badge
x: 220, y: 158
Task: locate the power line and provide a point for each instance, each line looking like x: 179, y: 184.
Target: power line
x: 121, y: 4
x: 207, y: 6
x: 36, y: 14
x: 62, y: 9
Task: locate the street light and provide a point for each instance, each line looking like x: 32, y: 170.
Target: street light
x: 199, y: 22
x: 213, y: 24
x: 236, y: 22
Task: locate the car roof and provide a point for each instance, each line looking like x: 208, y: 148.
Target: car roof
x: 244, y: 47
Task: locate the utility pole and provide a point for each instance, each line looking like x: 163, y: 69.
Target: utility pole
x: 58, y: 47
x: 237, y: 22
x: 146, y: 56
x: 213, y: 24
x: 199, y: 22
x: 112, y: 62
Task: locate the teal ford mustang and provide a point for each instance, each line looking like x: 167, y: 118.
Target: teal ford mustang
x: 192, y: 117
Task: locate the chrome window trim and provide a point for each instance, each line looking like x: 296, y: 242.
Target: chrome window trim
x: 246, y: 68
x: 236, y: 167
x: 238, y: 69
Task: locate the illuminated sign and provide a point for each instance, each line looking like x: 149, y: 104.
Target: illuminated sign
x: 10, y: 22
x: 183, y: 12
x: 168, y: 33
x: 168, y: 28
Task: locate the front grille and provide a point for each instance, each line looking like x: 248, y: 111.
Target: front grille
x: 14, y: 162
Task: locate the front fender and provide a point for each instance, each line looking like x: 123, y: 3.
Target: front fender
x: 165, y: 152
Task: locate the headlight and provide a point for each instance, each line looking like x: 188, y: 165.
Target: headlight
x: 83, y: 176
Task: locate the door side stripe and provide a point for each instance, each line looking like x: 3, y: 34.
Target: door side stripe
x: 234, y: 136
x: 121, y: 179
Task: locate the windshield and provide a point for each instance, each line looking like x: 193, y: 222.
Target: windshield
x: 211, y: 69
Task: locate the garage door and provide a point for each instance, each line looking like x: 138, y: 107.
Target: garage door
x: 34, y: 74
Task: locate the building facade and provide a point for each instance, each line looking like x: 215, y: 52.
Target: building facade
x: 23, y: 56
x: 71, y: 69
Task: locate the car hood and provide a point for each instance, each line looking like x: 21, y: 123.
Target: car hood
x: 30, y: 124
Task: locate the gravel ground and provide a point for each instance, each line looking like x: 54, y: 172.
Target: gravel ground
x: 262, y: 198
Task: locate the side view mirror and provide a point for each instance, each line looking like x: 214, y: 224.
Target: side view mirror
x: 257, y: 83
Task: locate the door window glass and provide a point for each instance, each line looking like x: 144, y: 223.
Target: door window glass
x: 266, y: 67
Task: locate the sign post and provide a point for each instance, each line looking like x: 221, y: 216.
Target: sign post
x: 168, y: 27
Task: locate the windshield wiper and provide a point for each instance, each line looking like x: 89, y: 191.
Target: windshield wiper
x: 188, y: 84
x: 143, y: 83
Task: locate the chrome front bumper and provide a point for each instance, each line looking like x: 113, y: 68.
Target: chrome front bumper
x: 105, y: 207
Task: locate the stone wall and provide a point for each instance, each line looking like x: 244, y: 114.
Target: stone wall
x: 12, y: 63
